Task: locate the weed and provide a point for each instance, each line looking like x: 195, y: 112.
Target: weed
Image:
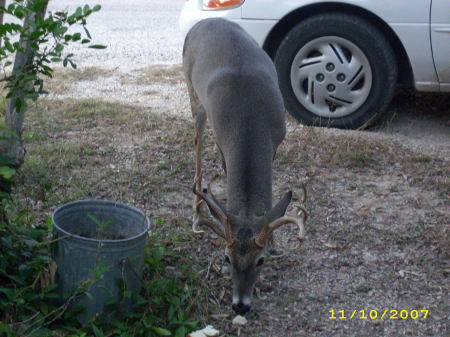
x: 421, y: 158
x: 322, y: 202
x: 353, y: 159
x: 352, y: 187
x: 370, y: 240
x: 363, y: 288
x: 27, y: 293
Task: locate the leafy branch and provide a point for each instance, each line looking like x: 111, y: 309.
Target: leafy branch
x: 42, y: 41
x: 34, y: 45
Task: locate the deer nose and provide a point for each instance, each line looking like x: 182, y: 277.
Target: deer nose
x: 241, y: 308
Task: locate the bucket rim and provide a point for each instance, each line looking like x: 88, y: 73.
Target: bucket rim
x: 104, y: 202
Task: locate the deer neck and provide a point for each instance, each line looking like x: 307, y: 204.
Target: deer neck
x: 249, y: 184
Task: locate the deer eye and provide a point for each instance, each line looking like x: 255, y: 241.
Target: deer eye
x: 227, y: 260
x: 260, y: 262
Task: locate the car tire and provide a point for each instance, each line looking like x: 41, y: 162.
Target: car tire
x: 336, y: 70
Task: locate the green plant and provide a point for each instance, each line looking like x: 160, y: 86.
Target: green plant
x: 7, y: 171
x: 101, y: 225
x: 169, y: 299
x: 30, y: 306
x: 27, y: 293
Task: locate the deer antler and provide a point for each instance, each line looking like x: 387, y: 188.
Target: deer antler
x: 206, y: 196
x: 268, y: 228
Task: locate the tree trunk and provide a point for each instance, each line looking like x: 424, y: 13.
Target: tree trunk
x: 14, y: 148
x: 2, y: 4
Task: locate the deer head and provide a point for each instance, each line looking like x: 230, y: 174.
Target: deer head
x: 246, y: 240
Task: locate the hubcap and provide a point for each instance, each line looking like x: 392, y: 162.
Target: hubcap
x: 331, y: 77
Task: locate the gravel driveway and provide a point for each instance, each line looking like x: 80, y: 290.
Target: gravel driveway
x: 137, y: 33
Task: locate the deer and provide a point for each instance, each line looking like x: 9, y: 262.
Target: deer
x: 233, y: 87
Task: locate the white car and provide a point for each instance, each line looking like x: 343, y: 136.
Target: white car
x: 338, y: 61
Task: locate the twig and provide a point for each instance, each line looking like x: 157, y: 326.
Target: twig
x: 62, y: 309
x: 55, y: 240
x: 209, y: 267
x: 28, y: 319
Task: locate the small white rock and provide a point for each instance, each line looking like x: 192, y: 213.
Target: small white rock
x: 239, y: 320
x: 198, y: 333
x: 208, y: 331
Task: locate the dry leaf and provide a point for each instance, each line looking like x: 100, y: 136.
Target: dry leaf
x: 216, y: 268
x: 220, y: 316
x: 222, y: 294
x: 331, y: 245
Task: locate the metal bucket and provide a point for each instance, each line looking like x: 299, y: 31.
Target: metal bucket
x: 99, y: 254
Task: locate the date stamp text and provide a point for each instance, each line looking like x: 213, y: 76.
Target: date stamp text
x: 378, y: 314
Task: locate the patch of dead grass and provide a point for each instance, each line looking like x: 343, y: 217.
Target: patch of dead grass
x: 309, y: 146
x: 64, y: 78
x: 165, y: 74
x: 91, y: 73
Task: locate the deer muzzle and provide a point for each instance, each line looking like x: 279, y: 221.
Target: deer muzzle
x: 241, y: 305
x: 243, y: 284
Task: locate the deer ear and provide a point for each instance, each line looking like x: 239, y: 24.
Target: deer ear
x: 280, y: 208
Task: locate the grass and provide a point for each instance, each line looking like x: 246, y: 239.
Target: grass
x: 353, y: 159
x: 166, y: 74
x: 94, y: 149
x: 63, y: 78
x: 91, y: 73
x: 421, y: 158
x: 333, y: 150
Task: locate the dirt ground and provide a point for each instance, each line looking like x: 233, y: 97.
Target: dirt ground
x: 378, y: 233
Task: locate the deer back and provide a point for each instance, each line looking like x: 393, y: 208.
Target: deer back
x: 236, y: 82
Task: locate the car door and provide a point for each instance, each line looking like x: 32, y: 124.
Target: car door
x: 440, y: 39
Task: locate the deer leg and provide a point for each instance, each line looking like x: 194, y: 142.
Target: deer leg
x: 198, y: 169
x: 199, y: 115
x: 224, y: 165
x: 198, y: 173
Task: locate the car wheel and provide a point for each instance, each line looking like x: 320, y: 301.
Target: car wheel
x: 336, y: 70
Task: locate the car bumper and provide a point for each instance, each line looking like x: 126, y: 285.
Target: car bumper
x: 192, y: 13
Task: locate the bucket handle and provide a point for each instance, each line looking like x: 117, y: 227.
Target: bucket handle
x: 126, y: 262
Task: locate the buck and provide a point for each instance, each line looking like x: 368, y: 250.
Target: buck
x: 233, y: 85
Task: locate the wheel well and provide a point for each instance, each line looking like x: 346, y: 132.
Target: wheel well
x: 292, y: 19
